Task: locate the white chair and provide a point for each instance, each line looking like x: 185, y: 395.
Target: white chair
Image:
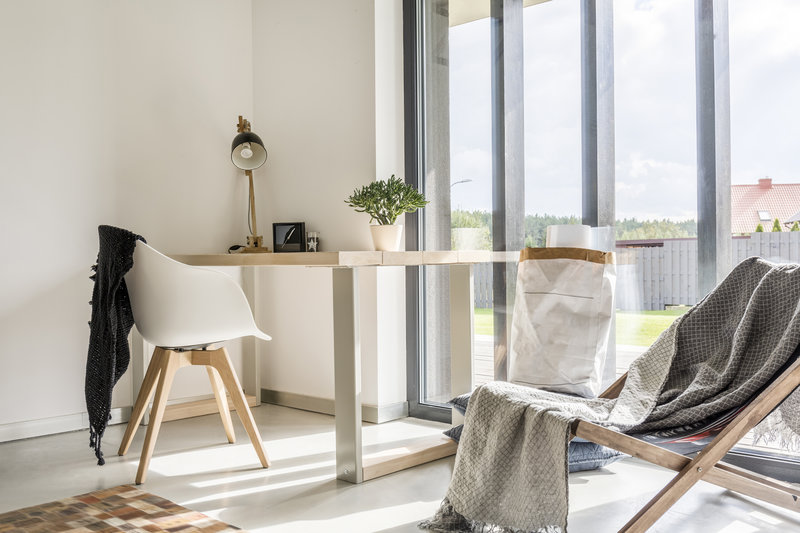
x: 183, y: 310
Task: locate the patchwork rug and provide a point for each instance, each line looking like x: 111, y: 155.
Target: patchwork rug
x: 122, y: 508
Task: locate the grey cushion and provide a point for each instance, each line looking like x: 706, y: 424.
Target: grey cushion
x: 460, y: 403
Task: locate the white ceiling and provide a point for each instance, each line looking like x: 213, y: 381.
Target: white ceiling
x: 463, y: 11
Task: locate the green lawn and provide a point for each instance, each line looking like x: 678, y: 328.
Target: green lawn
x: 484, y: 322
x: 639, y: 328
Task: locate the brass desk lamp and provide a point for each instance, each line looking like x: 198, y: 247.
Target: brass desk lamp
x: 248, y: 153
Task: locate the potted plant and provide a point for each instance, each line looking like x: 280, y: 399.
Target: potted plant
x: 384, y: 201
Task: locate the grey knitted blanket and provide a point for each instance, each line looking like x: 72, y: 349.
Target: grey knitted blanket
x: 510, y: 472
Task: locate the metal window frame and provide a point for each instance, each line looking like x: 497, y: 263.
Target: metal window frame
x: 712, y: 87
x: 598, y: 151
x: 414, y: 137
x: 508, y: 165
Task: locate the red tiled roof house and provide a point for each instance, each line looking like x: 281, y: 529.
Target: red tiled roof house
x: 752, y: 205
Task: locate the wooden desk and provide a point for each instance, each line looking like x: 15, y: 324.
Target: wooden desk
x: 351, y: 464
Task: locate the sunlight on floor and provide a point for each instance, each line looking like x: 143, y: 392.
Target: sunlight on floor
x: 259, y: 489
x: 240, y: 455
x: 738, y: 527
x: 262, y: 473
x: 764, y: 517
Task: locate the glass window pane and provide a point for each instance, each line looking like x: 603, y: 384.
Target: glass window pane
x: 552, y: 76
x: 765, y: 133
x: 457, y: 180
x: 656, y: 174
x: 471, y: 168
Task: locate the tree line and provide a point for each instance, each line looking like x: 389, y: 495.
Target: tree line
x: 479, y: 228
x: 536, y: 228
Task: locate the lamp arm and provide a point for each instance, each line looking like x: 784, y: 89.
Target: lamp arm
x: 252, y: 202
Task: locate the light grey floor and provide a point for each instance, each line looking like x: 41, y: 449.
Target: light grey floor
x: 193, y: 466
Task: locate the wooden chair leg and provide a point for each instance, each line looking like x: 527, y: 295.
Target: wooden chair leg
x: 221, y: 362
x: 169, y: 365
x: 145, y: 392
x: 222, y: 403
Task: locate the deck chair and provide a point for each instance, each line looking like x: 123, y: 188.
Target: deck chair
x: 719, y: 370
x: 707, y: 465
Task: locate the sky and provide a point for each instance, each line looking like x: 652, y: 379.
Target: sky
x: 654, y: 105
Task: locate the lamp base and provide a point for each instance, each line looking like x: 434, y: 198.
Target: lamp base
x: 255, y: 245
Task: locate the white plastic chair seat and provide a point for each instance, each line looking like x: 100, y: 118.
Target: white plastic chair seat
x: 181, y: 306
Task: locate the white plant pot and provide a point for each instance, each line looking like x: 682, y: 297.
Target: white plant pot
x: 387, y: 238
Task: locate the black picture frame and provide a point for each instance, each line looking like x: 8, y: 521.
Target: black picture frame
x: 289, y: 237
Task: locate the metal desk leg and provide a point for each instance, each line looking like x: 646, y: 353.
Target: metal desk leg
x: 347, y: 375
x: 462, y: 303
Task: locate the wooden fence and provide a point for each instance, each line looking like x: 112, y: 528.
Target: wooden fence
x: 653, y: 277
x: 482, y: 276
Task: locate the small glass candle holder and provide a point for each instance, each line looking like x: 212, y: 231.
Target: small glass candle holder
x: 312, y: 241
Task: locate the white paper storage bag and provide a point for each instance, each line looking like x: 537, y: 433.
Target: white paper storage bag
x: 561, y: 325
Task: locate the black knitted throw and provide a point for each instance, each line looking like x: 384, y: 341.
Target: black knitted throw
x: 112, y: 320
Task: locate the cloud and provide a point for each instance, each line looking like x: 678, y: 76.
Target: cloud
x: 647, y: 188
x: 655, y: 125
x: 631, y: 190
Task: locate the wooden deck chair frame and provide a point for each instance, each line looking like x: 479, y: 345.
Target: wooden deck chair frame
x: 707, y: 465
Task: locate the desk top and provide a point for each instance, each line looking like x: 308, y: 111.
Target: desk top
x: 350, y: 259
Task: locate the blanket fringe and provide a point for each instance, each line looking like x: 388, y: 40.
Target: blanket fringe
x: 94, y: 443
x: 774, y: 430
x: 448, y: 520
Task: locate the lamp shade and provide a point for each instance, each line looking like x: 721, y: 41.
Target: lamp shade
x: 247, y: 151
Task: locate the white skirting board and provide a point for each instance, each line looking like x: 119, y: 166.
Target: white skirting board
x: 369, y: 413
x: 56, y: 424
x: 27, y: 429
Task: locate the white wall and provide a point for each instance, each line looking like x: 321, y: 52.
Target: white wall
x: 389, y: 117
x: 328, y: 105
x: 123, y: 112
x: 91, y: 93
x: 182, y: 76
x: 390, y: 350
x: 314, y: 78
x: 56, y: 185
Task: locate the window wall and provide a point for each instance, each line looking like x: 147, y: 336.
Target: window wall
x: 647, y: 148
